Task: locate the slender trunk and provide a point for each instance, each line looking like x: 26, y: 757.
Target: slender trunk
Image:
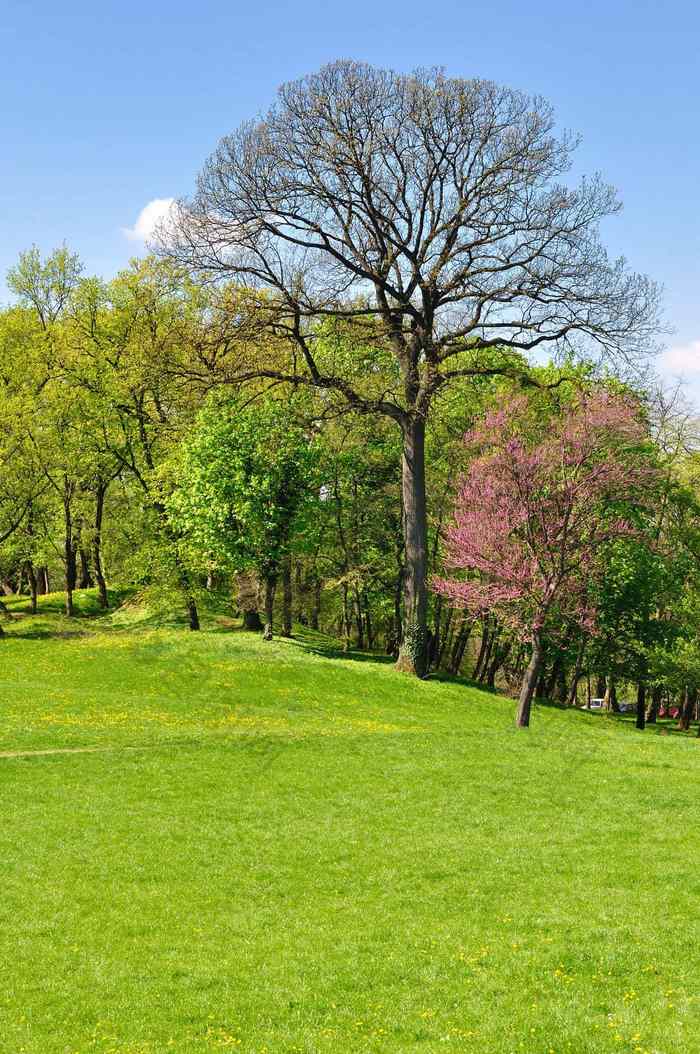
x: 562, y: 693
x: 641, y: 706
x: 369, y: 626
x: 527, y: 689
x: 345, y: 616
x: 31, y: 575
x: 434, y: 650
x: 359, y: 622
x: 553, y: 678
x: 445, y: 637
x: 492, y: 643
x: 577, y: 674
x: 316, y: 607
x: 500, y: 656
x: 69, y: 548
x: 689, y: 701
x: 286, y: 595
x: 413, y: 653
x: 192, y: 614
x: 85, y: 581
x: 653, y: 708
x: 483, y: 651
x: 300, y: 592
x: 97, y: 545
x: 516, y: 671
x: 610, y: 697
x: 270, y: 587
x: 459, y: 647
x: 398, y: 621
x: 190, y: 603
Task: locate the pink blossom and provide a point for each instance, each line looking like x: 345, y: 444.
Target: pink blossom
x: 538, y: 504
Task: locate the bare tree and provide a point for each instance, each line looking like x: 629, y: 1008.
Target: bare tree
x: 430, y: 208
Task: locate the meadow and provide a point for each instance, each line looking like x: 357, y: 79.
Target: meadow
x: 212, y: 843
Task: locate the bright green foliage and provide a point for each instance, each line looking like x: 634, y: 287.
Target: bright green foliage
x: 247, y: 481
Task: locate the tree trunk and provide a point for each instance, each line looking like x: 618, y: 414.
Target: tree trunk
x: 641, y: 706
x: 316, y: 607
x: 445, y: 637
x: 553, y: 677
x: 97, y: 546
x: 192, y: 614
x: 486, y: 662
x: 577, y: 674
x: 69, y: 548
x: 31, y: 575
x: 190, y: 603
x: 270, y: 587
x: 689, y: 701
x: 369, y: 626
x: 346, y: 618
x: 434, y: 649
x: 653, y: 708
x: 527, y: 688
x: 500, y: 656
x: 458, y: 648
x: 413, y: 653
x: 562, y: 692
x: 610, y: 697
x: 85, y: 581
x: 485, y: 638
x: 286, y: 596
x: 359, y: 621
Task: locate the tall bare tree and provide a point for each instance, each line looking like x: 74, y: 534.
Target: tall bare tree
x: 432, y: 208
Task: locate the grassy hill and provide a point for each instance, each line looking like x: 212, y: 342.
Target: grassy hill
x: 209, y: 843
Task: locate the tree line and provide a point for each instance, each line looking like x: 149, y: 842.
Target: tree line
x: 275, y: 403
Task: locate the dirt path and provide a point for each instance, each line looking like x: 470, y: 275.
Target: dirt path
x: 59, y: 750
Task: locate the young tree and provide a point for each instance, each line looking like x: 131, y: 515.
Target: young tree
x: 536, y: 505
x: 245, y: 478
x: 431, y: 206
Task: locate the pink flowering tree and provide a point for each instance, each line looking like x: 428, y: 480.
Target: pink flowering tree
x: 540, y: 501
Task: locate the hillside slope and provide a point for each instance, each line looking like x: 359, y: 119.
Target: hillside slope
x: 213, y: 843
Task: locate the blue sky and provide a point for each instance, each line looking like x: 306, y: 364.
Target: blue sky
x: 109, y: 106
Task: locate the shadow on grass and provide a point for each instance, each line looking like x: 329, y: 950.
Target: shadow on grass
x: 36, y: 631
x: 317, y: 643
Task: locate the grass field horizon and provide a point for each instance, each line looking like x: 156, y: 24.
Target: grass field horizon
x: 210, y: 842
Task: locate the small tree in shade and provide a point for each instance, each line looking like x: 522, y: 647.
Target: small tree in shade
x: 540, y: 501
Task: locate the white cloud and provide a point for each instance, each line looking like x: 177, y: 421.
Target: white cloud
x: 683, y: 358
x: 150, y: 216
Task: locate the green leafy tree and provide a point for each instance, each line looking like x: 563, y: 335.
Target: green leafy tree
x: 247, y: 482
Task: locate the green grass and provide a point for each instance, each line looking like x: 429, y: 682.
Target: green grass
x: 266, y: 848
